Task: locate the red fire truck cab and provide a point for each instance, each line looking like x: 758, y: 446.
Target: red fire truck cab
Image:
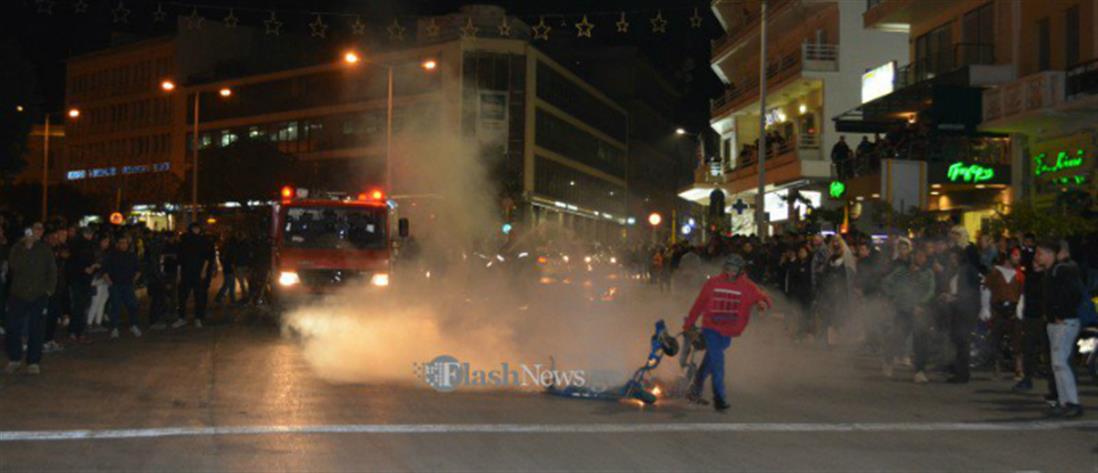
x: 326, y: 241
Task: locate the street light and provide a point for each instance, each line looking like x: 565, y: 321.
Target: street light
x: 169, y: 86
x: 654, y: 219
x: 18, y: 108
x: 73, y: 114
x: 352, y: 58
x: 680, y: 131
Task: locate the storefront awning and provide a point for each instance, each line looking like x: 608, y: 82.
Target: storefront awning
x: 945, y: 104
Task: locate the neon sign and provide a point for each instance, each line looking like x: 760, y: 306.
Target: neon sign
x: 837, y: 189
x: 1063, y: 161
x: 960, y: 171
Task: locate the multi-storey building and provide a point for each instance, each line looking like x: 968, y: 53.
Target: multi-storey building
x: 561, y: 143
x: 955, y: 118
x: 817, y: 52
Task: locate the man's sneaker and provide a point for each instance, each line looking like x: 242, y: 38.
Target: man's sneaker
x: 179, y: 323
x: 159, y: 326
x: 920, y: 378
x: 197, y: 323
x: 135, y: 331
x: 1072, y: 411
x: 886, y: 369
x: 33, y: 369
x: 720, y: 406
x: 12, y: 367
x: 114, y: 333
x: 1052, y: 401
x: 1023, y: 386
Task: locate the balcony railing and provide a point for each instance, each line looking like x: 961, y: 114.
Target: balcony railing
x: 913, y: 146
x: 1034, y: 92
x: 811, y: 57
x: 1082, y: 80
x: 947, y: 60
x: 747, y: 26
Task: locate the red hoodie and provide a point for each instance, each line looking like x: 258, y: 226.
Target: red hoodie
x: 726, y: 304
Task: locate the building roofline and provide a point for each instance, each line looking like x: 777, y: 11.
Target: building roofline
x: 123, y: 48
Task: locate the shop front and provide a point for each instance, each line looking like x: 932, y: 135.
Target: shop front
x: 1061, y: 166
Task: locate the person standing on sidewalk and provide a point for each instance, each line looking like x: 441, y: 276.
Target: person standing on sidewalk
x: 122, y: 268
x: 33, y: 279
x: 196, y: 267
x: 152, y: 267
x: 1063, y: 286
x: 1034, y: 328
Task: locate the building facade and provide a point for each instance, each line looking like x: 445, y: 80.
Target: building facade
x: 559, y: 146
x: 812, y: 73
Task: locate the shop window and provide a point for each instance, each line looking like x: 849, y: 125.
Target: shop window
x: 1044, y: 56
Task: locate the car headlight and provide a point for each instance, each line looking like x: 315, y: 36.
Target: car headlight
x: 380, y: 279
x: 288, y: 278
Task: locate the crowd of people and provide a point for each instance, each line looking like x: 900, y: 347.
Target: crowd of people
x: 931, y: 302
x: 83, y: 279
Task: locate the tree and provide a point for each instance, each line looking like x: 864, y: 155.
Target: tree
x: 1056, y: 221
x: 17, y: 82
x: 245, y: 170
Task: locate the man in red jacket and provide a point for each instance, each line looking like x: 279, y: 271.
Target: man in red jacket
x: 724, y: 304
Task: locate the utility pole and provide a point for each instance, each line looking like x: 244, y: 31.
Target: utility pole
x: 46, y: 170
x: 760, y: 212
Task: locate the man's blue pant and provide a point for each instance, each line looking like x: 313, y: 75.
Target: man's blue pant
x: 122, y: 295
x: 713, y: 364
x: 31, y: 316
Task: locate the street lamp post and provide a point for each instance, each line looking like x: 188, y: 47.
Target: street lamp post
x: 73, y: 113
x: 760, y: 197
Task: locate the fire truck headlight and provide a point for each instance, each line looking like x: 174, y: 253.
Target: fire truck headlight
x: 380, y: 279
x: 288, y: 278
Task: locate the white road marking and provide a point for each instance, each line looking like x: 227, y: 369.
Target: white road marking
x: 55, y: 435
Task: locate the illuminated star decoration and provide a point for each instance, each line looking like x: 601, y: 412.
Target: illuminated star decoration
x: 319, y: 28
x: 622, y: 24
x: 659, y: 24
x: 80, y: 7
x: 272, y: 25
x: 396, y: 32
x: 194, y: 20
x: 469, y: 30
x: 159, y: 15
x: 696, y: 20
x: 583, y: 28
x: 541, y: 30
x: 44, y: 6
x: 432, y: 29
x: 120, y: 14
x: 358, y: 28
x: 504, y: 27
x: 231, y: 20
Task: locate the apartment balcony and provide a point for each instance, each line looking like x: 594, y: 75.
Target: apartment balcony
x: 1022, y: 103
x: 741, y: 22
x: 786, y: 161
x: 782, y: 68
x: 1082, y: 80
x: 893, y: 15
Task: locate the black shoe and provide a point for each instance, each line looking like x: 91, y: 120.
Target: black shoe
x: 1055, y: 411
x: 1072, y: 411
x: 720, y: 405
x: 1023, y: 386
x: 957, y: 380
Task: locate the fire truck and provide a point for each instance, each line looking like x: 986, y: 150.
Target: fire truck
x: 323, y: 241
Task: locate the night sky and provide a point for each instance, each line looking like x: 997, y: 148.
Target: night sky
x: 45, y: 41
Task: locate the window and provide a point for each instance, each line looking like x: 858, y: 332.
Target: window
x: 562, y: 137
x: 334, y: 228
x: 1071, y: 36
x: 934, y: 52
x: 978, y: 36
x: 1044, y: 60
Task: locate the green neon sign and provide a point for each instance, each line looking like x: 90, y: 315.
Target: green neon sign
x: 1063, y: 161
x: 837, y: 189
x: 1071, y: 180
x: 960, y: 171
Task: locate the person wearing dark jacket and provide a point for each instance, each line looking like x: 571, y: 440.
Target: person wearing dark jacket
x: 1064, y: 293
x: 152, y: 267
x: 196, y: 267
x: 911, y: 289
x: 1034, y: 327
x: 33, y: 275
x: 121, y: 267
x: 962, y: 302
x: 79, y: 273
x: 798, y: 279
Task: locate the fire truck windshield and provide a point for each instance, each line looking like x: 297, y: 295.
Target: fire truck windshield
x: 338, y: 228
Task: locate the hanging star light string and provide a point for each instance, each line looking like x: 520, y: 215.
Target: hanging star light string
x: 322, y: 24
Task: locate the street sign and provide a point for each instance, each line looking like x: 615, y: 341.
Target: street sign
x: 739, y: 206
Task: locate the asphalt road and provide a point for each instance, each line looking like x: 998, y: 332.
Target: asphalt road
x: 237, y: 396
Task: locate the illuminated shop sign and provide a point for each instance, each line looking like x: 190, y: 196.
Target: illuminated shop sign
x: 1064, y: 160
x: 837, y: 189
x: 974, y: 173
x: 877, y: 82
